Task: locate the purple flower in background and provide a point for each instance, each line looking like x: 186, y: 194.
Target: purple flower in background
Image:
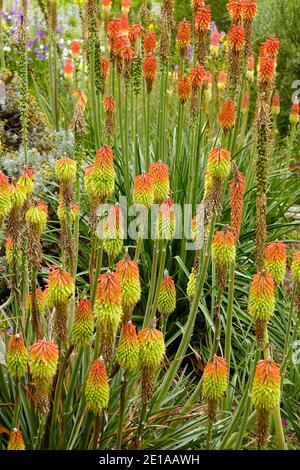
x: 36, y: 50
x: 60, y: 44
x: 46, y: 47
x: 9, y: 332
x: 285, y: 424
x: 40, y: 34
x: 12, y: 30
x: 176, y: 68
x: 41, y: 56
x: 29, y: 43
x: 59, y: 30
x: 178, y: 410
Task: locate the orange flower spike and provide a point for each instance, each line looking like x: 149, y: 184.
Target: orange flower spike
x: 236, y: 38
x: 106, y: 6
x: 296, y: 266
x: 222, y: 81
x: 36, y: 217
x: 16, y: 441
x: 60, y: 286
x: 235, y: 9
x: 128, y: 351
x: 294, y: 114
x: 165, y: 228
x: 214, y: 43
x: 271, y: 47
x: 223, y: 249
x: 17, y: 356
x: 75, y: 47
x: 135, y: 32
x: 124, y: 24
x: 197, y: 4
x: 275, y: 104
x: 108, y: 310
x: 105, y: 63
x: 150, y: 42
x: 167, y: 296
x: 184, y: 89
x: 5, y: 197
x: 245, y: 102
x: 249, y: 10
x: 197, y: 77
x: 275, y: 261
x: 68, y: 65
x: 261, y: 304
x: 129, y: 275
x: 159, y: 173
x: 114, y: 231
x: 203, y: 18
x: 114, y: 27
x: 219, y: 161
x: 83, y: 327
x: 100, y: 179
x: 237, y: 191
x: 65, y: 169
x: 226, y: 115
x: 27, y: 180
x: 109, y: 105
x: 125, y: 6
x: 150, y: 66
x: 250, y: 68
x: 143, y: 191
x: 265, y: 395
x: 97, y: 388
x: 266, y: 70
x: 183, y: 37
x: 214, y: 385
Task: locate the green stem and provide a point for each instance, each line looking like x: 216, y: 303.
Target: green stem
x: 57, y: 398
x: 228, y: 334
x: 15, y: 421
x: 189, y: 326
x: 98, y: 267
x: 147, y: 150
x: 140, y: 431
x: 152, y: 283
x: 122, y: 410
x: 161, y: 268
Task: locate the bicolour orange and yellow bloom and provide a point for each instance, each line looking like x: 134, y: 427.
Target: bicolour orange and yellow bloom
x: 108, y: 310
x: 18, y: 196
x: 65, y: 169
x: 219, y: 161
x: 125, y: 5
x: 261, y: 302
x: 97, y: 388
x: 9, y: 253
x: 128, y: 350
x: 5, y: 197
x: 83, y: 327
x: 27, y: 180
x: 43, y: 365
x: 159, y: 173
x: 226, y: 115
x: 150, y: 66
x: 275, y: 107
x: 16, y: 441
x: 294, y: 114
x: 237, y: 191
x: 152, y: 351
x: 265, y: 395
x: 60, y: 286
x: 183, y: 37
x: 167, y: 296
x: 75, y: 47
x: 17, y: 356
x: 235, y: 10
x: 223, y: 249
x: 100, y: 177
x: 296, y: 266
x: 198, y: 4
x: 129, y: 275
x: 222, y: 81
x: 41, y: 301
x: 214, y: 384
x: 184, y: 89
x: 36, y: 217
x: 143, y: 190
x: 114, y: 231
x: 165, y: 224
x: 106, y: 6
x: 66, y: 213
x: 275, y: 261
